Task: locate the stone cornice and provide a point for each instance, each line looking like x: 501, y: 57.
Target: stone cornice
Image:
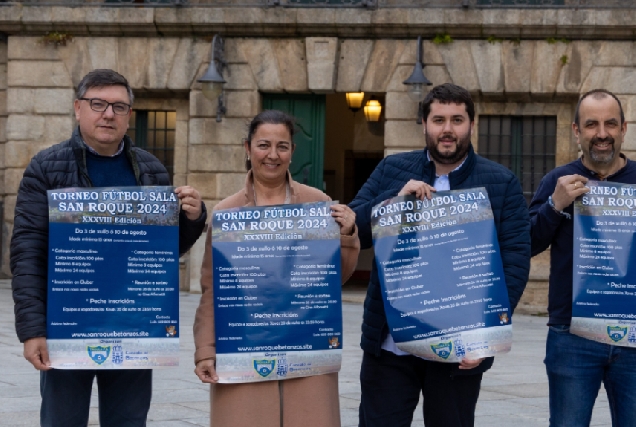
x: 612, y: 24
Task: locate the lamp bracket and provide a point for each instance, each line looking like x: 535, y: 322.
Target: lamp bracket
x: 220, y: 109
x: 369, y: 4
x: 218, y: 53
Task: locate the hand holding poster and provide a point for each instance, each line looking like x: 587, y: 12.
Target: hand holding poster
x: 277, y: 292
x: 604, y: 274
x: 442, y: 277
x: 113, y: 278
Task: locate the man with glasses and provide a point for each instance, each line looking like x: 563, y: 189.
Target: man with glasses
x: 98, y: 154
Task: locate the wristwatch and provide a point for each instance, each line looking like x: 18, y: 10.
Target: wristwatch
x: 562, y: 213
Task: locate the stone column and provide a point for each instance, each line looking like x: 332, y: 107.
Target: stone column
x: 39, y: 112
x: 402, y: 133
x: 216, y: 157
x: 629, y: 143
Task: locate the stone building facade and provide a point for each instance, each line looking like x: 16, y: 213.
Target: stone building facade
x: 515, y: 62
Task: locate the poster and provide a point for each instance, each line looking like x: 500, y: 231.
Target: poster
x: 113, y: 278
x: 604, y: 274
x: 441, y: 274
x: 277, y: 292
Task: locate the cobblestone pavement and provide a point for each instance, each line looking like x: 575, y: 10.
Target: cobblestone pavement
x: 514, y: 391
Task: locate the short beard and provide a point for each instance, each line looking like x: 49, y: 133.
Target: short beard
x: 605, y: 158
x: 462, y: 144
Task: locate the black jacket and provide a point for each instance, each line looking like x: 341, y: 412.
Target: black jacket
x: 510, y: 215
x: 61, y: 166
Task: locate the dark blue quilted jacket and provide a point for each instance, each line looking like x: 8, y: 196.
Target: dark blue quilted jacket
x: 510, y: 214
x: 61, y: 166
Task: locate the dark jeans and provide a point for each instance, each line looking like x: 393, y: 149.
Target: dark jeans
x: 124, y: 397
x: 576, y: 367
x: 391, y: 387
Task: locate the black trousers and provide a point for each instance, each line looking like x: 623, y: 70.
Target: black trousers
x: 124, y: 397
x: 391, y: 387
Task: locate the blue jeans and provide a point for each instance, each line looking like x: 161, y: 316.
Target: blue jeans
x: 124, y: 397
x: 576, y: 367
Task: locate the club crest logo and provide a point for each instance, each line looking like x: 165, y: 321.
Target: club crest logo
x: 333, y: 342
x: 503, y: 318
x: 459, y: 348
x: 98, y: 353
x: 443, y: 349
x: 118, y: 355
x: 281, y: 368
x: 264, y: 367
x: 616, y: 333
x: 171, y: 331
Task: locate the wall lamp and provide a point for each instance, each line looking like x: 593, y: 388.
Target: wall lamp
x: 354, y: 100
x: 417, y: 81
x: 373, y: 110
x: 213, y: 81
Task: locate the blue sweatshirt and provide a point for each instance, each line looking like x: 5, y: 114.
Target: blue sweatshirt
x: 106, y: 171
x: 551, y: 228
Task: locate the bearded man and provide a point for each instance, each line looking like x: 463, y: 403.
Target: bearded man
x: 391, y: 379
x: 576, y: 366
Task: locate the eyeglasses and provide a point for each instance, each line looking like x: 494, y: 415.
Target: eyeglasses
x: 99, y: 105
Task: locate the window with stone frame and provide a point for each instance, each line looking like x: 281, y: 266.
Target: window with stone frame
x: 524, y: 144
x: 154, y: 131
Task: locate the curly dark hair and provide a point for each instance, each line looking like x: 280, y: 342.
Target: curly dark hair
x: 445, y: 94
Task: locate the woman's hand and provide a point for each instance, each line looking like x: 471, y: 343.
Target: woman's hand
x: 206, y: 371
x: 190, y: 201
x: 345, y: 218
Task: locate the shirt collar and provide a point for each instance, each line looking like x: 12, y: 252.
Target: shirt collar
x: 428, y: 156
x: 92, y: 150
x: 605, y: 178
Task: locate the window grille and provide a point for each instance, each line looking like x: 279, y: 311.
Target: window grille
x: 524, y: 144
x: 154, y: 131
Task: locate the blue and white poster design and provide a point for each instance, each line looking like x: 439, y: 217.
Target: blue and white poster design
x: 604, y: 272
x: 441, y: 274
x: 113, y: 278
x: 277, y: 292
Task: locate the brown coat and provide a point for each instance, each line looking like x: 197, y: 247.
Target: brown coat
x: 307, y: 402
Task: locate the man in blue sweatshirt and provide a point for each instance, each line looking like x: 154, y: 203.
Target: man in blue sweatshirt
x: 576, y: 366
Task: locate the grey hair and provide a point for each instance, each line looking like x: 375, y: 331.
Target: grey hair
x: 102, y: 78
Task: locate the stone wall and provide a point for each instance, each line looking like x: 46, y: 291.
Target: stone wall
x: 521, y: 77
x: 40, y: 81
x: 361, y: 23
x: 527, y: 77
